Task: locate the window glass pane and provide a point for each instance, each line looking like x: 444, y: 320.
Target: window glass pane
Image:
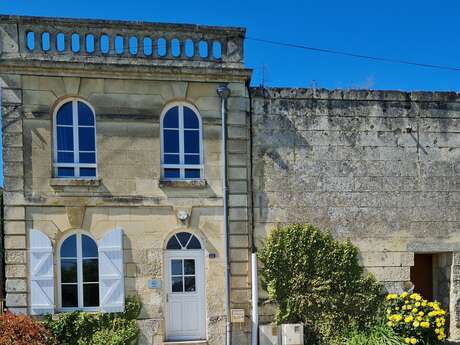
x: 64, y: 114
x: 194, y: 243
x: 172, y: 173
x: 192, y: 173
x: 171, y: 118
x: 69, y: 295
x: 176, y: 267
x: 68, y: 270
x: 171, y: 159
x: 190, y: 119
x: 90, y: 295
x: 86, y: 139
x: 89, y: 247
x: 183, y: 238
x: 192, y: 159
x: 65, y: 157
x: 65, y: 138
x: 191, y: 141
x: 90, y: 270
x: 88, y: 172
x: 171, y: 141
x: 85, y: 115
x: 69, y: 247
x: 176, y: 284
x: 66, y: 172
x: 190, y: 284
x: 189, y: 266
x: 87, y: 157
x: 173, y: 243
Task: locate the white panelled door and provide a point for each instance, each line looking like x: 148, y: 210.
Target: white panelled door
x: 185, y: 295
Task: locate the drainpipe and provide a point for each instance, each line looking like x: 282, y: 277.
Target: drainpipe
x: 2, y: 228
x: 223, y: 91
x: 254, y: 277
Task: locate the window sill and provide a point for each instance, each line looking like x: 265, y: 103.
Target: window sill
x: 74, y: 182
x: 183, y: 183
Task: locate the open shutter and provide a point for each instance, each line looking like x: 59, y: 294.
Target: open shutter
x: 41, y: 273
x: 111, y: 276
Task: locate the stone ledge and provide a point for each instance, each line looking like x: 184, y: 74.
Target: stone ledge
x: 73, y: 182
x: 183, y: 184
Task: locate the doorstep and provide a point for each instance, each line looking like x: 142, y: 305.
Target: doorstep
x: 186, y: 342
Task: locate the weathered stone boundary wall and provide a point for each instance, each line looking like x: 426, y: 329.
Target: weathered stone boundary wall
x: 380, y: 168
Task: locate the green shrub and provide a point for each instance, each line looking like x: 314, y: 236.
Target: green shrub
x: 83, y: 328
x: 379, y: 335
x: 316, y: 280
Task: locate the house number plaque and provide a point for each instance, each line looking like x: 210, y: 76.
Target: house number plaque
x: 154, y: 284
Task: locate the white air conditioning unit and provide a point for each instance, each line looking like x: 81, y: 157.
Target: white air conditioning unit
x: 269, y: 335
x: 292, y: 334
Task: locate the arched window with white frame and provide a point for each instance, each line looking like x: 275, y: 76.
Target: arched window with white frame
x: 79, y: 273
x: 74, y: 140
x: 181, y: 143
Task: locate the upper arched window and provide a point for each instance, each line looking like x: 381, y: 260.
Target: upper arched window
x: 75, y: 140
x: 183, y: 240
x: 182, y: 156
x: 79, y: 272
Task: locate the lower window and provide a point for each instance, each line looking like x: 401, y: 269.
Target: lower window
x: 79, y: 272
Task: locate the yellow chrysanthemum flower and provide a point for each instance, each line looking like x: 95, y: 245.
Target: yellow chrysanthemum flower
x: 408, y: 319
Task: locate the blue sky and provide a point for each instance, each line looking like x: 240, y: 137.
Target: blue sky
x: 422, y: 31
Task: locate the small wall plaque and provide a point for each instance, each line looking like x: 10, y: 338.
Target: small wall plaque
x: 237, y: 315
x: 212, y: 255
x: 154, y: 284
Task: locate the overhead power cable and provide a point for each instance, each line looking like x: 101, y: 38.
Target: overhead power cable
x: 354, y: 55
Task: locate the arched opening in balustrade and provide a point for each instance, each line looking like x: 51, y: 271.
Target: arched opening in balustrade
x: 46, y: 44
x: 30, y: 40
x: 216, y: 50
x: 75, y: 43
x: 104, y: 44
x: 161, y: 47
x: 119, y: 44
x: 89, y: 43
x: 203, y: 47
x: 60, y: 42
x: 175, y: 47
x: 189, y: 48
x: 148, y: 47
x: 133, y: 45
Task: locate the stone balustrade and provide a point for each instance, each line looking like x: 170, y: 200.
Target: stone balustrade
x: 76, y: 40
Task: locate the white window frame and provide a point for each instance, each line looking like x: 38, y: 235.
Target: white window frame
x: 79, y: 273
x: 181, y: 166
x: 76, y: 165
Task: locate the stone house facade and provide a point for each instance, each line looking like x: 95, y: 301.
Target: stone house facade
x: 121, y: 178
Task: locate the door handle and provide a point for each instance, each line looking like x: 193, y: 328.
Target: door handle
x: 167, y: 297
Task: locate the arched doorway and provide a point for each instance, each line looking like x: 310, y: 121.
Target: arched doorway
x: 185, y: 288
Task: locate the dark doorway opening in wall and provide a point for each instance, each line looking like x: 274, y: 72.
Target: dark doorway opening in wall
x: 431, y: 275
x: 421, y: 275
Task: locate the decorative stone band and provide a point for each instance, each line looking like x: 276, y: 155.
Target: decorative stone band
x: 60, y: 39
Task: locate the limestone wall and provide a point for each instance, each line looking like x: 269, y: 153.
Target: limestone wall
x: 379, y: 168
